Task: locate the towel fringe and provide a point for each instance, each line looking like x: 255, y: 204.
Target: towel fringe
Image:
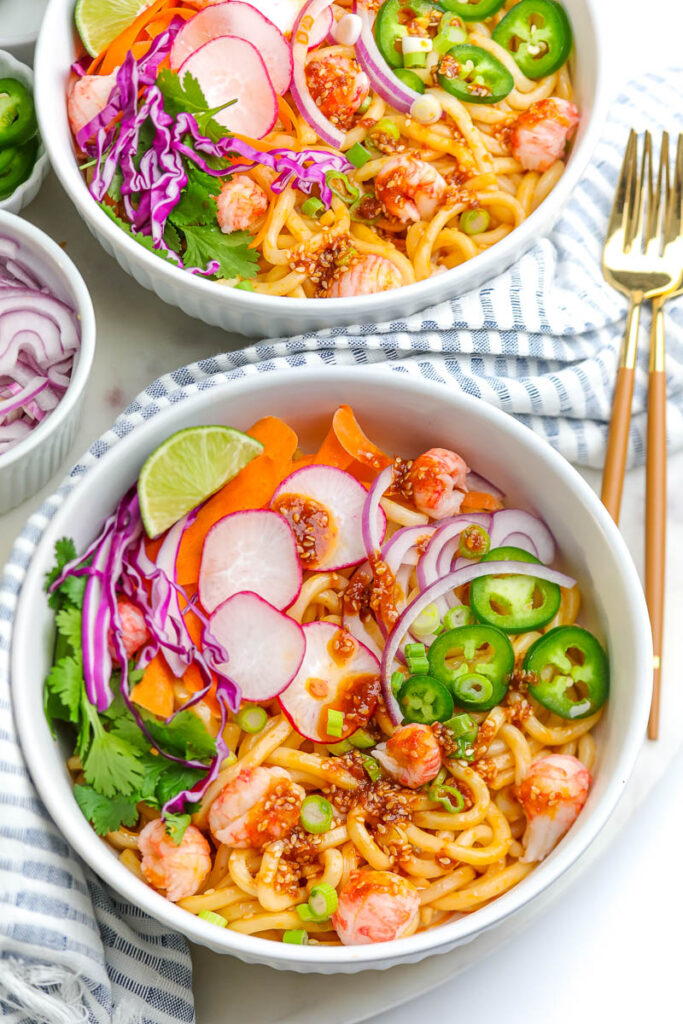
x: 46, y: 993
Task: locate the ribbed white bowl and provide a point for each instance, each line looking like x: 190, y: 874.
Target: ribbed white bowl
x: 30, y: 464
x: 10, y: 67
x: 405, y: 415
x: 265, y: 315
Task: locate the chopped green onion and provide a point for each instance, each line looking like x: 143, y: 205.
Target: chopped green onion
x: 297, y: 936
x: 208, y: 915
x: 474, y: 542
x: 461, y: 615
x: 462, y: 727
x: 362, y: 739
x: 251, y: 718
x: 351, y: 193
x: 416, y: 658
x: 335, y: 722
x: 313, y: 207
x: 472, y: 686
x: 356, y: 208
x: 229, y: 759
x: 323, y: 901
x: 397, y: 681
x: 415, y: 60
x: 371, y: 767
x: 472, y: 222
x: 361, y: 110
x: 442, y: 795
x: 342, y: 747
x: 316, y: 814
x: 245, y: 286
x: 357, y: 155
x: 305, y: 912
x: 385, y: 126
x: 427, y: 622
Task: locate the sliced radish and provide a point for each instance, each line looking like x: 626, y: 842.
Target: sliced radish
x: 325, y: 505
x: 265, y: 647
x: 253, y: 550
x: 337, y: 674
x: 283, y: 14
x: 244, y: 21
x: 228, y: 69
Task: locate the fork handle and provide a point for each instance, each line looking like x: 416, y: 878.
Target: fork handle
x: 620, y: 422
x: 655, y: 503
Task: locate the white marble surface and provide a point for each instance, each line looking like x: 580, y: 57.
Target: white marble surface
x: 572, y: 963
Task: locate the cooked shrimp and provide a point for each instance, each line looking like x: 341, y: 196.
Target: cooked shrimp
x: 88, y: 96
x: 541, y: 133
x: 375, y: 906
x: 177, y: 870
x: 371, y: 274
x: 241, y: 204
x: 439, y: 480
x: 338, y: 87
x: 410, y: 189
x: 260, y: 805
x: 552, y: 794
x: 134, y: 632
x: 411, y: 756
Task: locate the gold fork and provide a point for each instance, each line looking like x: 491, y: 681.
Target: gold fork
x: 642, y: 263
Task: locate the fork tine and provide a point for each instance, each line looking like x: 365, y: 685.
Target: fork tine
x: 672, y: 224
x: 619, y: 217
x: 657, y: 203
x: 642, y: 193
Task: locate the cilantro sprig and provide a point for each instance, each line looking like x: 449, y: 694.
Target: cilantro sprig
x: 121, y: 766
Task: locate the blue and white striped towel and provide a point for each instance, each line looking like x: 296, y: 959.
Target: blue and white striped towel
x: 540, y: 341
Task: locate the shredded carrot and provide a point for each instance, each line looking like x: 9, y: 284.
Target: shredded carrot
x: 252, y: 488
x: 286, y: 114
x: 353, y: 440
x: 155, y: 692
x: 331, y: 453
x: 114, y: 54
x: 152, y: 547
x: 480, y: 501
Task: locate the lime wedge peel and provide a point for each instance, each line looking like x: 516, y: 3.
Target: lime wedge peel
x: 187, y: 468
x: 100, y: 21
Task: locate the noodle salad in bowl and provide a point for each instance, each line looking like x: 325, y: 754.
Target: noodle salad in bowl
x: 328, y: 698
x: 324, y: 149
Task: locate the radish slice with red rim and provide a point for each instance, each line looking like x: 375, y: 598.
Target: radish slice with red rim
x: 337, y: 674
x: 324, y: 507
x: 253, y: 550
x: 265, y: 647
x: 246, y: 22
x: 228, y: 69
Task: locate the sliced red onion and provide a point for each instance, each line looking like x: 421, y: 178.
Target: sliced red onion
x: 446, y: 538
x: 437, y: 590
x: 371, y: 511
x: 402, y: 546
x: 523, y: 541
x: 475, y: 482
x: 300, y: 42
x: 514, y: 521
x: 384, y: 81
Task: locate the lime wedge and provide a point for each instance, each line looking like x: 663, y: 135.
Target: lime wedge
x: 187, y: 468
x: 100, y: 21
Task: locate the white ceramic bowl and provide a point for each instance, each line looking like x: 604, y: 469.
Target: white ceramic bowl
x: 30, y: 464
x: 265, y: 315
x: 10, y: 67
x: 406, y: 416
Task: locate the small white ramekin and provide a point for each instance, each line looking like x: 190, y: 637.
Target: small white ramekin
x: 10, y: 67
x: 30, y: 464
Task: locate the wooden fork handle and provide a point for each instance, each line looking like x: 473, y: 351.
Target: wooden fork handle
x: 655, y: 504
x: 620, y: 422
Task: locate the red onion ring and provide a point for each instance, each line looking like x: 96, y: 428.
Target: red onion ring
x: 370, y: 518
x: 300, y: 42
x: 509, y: 521
x: 384, y: 81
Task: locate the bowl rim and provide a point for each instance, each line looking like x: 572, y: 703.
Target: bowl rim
x: 376, y: 306
x: 41, y: 166
x: 17, y: 227
x: 86, y: 843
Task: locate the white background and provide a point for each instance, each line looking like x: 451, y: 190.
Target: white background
x: 607, y: 950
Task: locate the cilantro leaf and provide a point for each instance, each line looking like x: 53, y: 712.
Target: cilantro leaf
x: 112, y: 764
x: 65, y: 682
x: 72, y: 589
x: 174, y: 779
x: 69, y: 626
x: 186, y: 736
x: 197, y: 203
x: 232, y: 251
x: 172, y: 238
x: 144, y: 240
x: 127, y: 729
x: 187, y: 96
x: 104, y: 813
x: 176, y: 825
